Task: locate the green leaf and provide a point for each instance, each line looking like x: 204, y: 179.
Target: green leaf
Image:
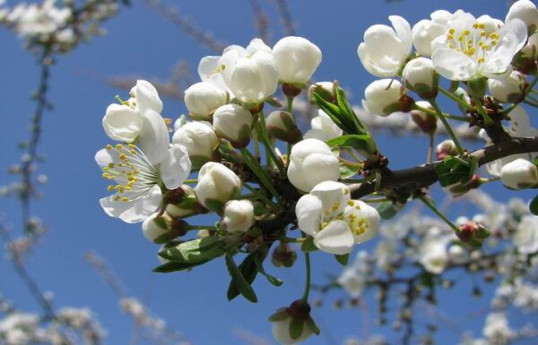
x: 239, y: 281
x: 456, y: 169
x: 347, y: 170
x: 388, y: 209
x: 342, y: 259
x: 311, y: 324
x: 344, y: 105
x: 259, y: 265
x: 296, y: 328
x: 176, y: 266
x: 349, y: 140
x: 533, y: 206
x: 202, y: 249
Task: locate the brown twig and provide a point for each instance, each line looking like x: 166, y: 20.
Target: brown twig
x: 204, y: 38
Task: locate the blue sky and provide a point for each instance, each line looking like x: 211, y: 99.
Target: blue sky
x: 141, y: 43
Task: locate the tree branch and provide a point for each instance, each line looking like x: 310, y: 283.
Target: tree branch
x: 424, y: 176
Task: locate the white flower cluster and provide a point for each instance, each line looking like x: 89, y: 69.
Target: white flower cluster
x: 72, y: 325
x: 484, y: 52
x: 58, y: 24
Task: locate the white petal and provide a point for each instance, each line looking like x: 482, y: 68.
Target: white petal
x: 122, y: 123
x: 513, y: 37
x: 103, y: 158
x: 453, y: 65
x: 403, y: 30
x: 133, y: 211
x: 335, y: 238
x: 147, y: 97
x: 308, y: 211
x: 154, y: 138
x: 176, y: 167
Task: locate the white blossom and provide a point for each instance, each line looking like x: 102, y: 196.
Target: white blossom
x: 519, y: 174
x: 216, y: 185
x: 385, y: 49
x: 238, y: 216
x: 323, y: 127
x: 297, y: 59
x: 312, y: 162
x: 201, y: 99
x: 334, y: 220
x: 467, y: 50
x: 425, y: 31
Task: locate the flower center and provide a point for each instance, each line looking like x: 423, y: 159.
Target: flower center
x: 131, y: 170
x: 474, y: 42
x: 358, y: 225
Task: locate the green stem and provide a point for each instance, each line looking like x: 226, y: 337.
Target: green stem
x: 260, y: 173
x: 375, y: 201
x: 447, y: 127
x: 439, y: 213
x: 532, y: 104
x: 259, y: 194
x: 200, y: 227
x: 307, y: 279
x: 430, y: 148
x: 191, y: 181
x: 262, y: 132
x: 289, y: 103
x: 456, y: 99
x: 482, y: 111
x: 448, y: 116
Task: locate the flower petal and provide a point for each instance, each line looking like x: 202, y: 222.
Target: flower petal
x: 513, y: 36
x: 308, y: 211
x: 122, y: 123
x: 154, y: 137
x: 335, y: 238
x: 176, y: 167
x: 453, y: 65
x: 133, y: 211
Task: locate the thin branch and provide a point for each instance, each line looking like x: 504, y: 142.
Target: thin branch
x: 424, y: 176
x: 27, y: 279
x: 287, y: 21
x: 262, y: 21
x: 204, y: 38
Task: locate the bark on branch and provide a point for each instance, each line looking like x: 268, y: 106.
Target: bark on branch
x: 424, y: 175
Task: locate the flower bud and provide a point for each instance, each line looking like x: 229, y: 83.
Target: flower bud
x: 203, y: 98
x: 293, y: 324
x: 182, y: 203
x: 312, y: 162
x: 297, y: 59
x: 525, y: 59
x: 425, y: 31
x: 323, y: 127
x: 161, y: 229
x: 325, y: 89
x: 509, y: 88
x: 473, y: 234
x: 419, y: 76
x: 238, y: 216
x: 427, y: 122
x: 233, y: 122
x: 385, y: 96
x: 519, y: 174
x: 526, y: 11
x: 216, y: 185
x: 385, y: 49
x: 281, y: 125
x: 252, y: 79
x: 283, y: 255
x: 445, y: 148
x: 200, y: 140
